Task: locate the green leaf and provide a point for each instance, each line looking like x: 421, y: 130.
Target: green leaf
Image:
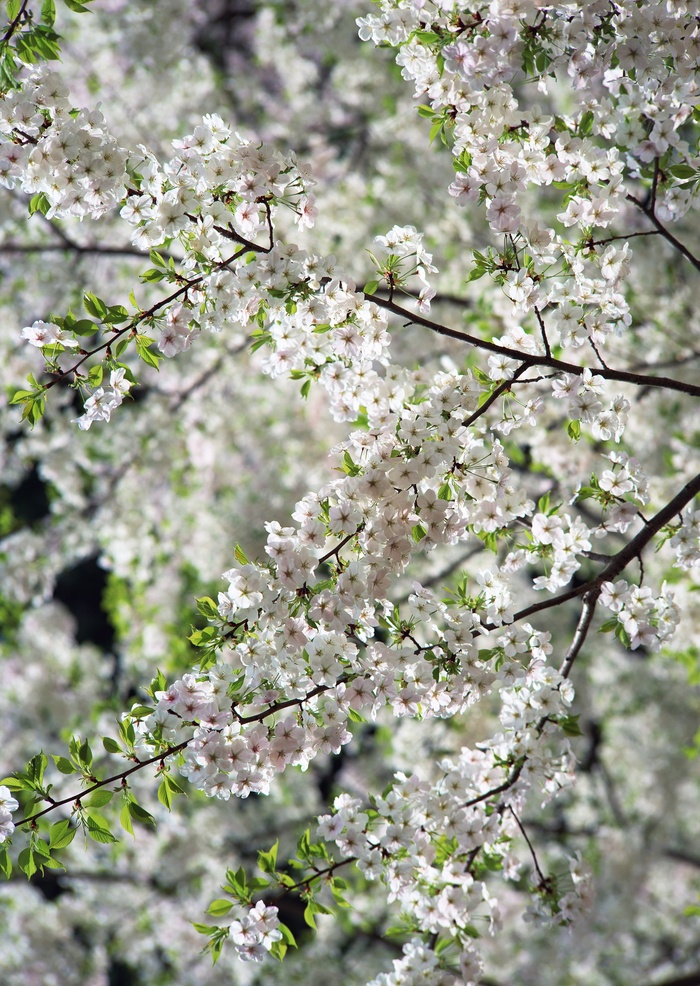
x: 84, y: 327
x: 16, y: 783
x: 116, y: 314
x: 427, y: 37
x: 586, y: 124
x: 445, y: 492
x: 435, y: 130
x: 204, y: 929
x: 683, y: 171
x: 442, y: 945
x: 8, y: 71
x: 207, y: 607
x: 158, y: 684
x: 173, y: 785
x: 165, y: 794
x: 39, y: 203
x: 48, y: 12
x: 287, y: 935
x: 140, y: 711
x: 219, y: 907
x: 140, y: 814
x: 53, y: 864
x: 85, y: 753
x: 267, y: 861
x: 94, y: 306
x: 77, y: 6
x: 349, y: 466
x: 261, y: 340
x: 338, y: 897
x: 278, y: 950
x: 240, y: 556
x: 371, y: 287
x: 100, y: 798
x: 36, y: 768
x: 309, y: 912
x: 26, y: 863
x: 143, y: 344
x: 111, y: 745
x: 204, y: 637
x: 573, y: 430
x: 570, y: 725
x: 64, y: 765
x: 98, y: 830
x: 152, y: 275
x: 167, y: 789
x: 5, y: 863
x: 125, y: 819
x: 127, y: 731
x: 304, y: 844
x: 61, y: 834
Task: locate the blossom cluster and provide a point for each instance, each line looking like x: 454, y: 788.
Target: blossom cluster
x: 310, y: 640
x: 255, y: 931
x: 647, y: 619
x: 686, y: 540
x: 71, y: 159
x: 8, y: 804
x: 421, y: 964
x: 634, y: 73
x: 100, y: 404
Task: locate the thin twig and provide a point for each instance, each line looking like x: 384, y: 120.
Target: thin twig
x: 623, y: 557
x: 584, y: 624
x: 683, y: 250
x: 108, y: 780
x: 493, y: 397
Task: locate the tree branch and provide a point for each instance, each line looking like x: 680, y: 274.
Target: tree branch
x: 529, y: 359
x: 579, y: 638
x: 668, y: 236
x: 619, y: 561
x: 160, y: 757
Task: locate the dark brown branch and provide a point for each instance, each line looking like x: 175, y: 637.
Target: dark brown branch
x: 667, y: 235
x: 579, y: 638
x: 529, y: 359
x: 341, y: 544
x: 124, y: 251
x: 15, y: 23
x: 438, y: 299
x: 502, y: 388
x: 524, y: 834
x: 622, y: 236
x: 160, y: 757
x: 142, y: 317
x: 508, y: 783
x: 622, y: 559
x: 543, y: 330
x: 692, y: 979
